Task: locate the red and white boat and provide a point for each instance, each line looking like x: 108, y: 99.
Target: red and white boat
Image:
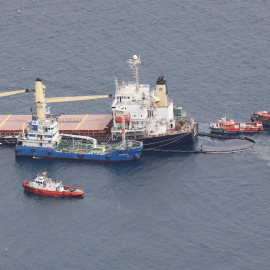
x: 262, y: 116
x: 230, y: 127
x: 44, y: 185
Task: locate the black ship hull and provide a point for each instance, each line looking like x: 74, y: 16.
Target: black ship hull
x: 175, y: 139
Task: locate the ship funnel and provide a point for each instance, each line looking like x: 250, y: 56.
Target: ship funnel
x: 162, y: 92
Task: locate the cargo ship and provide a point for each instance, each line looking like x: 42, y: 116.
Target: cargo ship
x: 231, y: 127
x: 42, y: 139
x: 148, y: 115
x: 44, y: 185
x: 263, y: 117
x: 97, y: 126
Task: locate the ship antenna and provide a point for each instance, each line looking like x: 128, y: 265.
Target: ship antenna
x: 133, y: 64
x: 116, y: 85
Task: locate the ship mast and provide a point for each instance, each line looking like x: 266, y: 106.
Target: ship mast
x: 116, y: 86
x: 40, y: 99
x: 133, y: 64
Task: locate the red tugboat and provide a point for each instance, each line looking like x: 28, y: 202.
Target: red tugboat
x: 262, y: 116
x: 230, y: 127
x: 44, y: 185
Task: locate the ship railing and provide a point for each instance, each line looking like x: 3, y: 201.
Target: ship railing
x: 120, y: 145
x: 69, y: 120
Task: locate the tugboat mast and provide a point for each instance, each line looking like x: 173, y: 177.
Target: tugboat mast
x: 133, y: 64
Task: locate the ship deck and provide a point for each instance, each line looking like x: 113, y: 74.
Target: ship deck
x: 93, y: 125
x: 84, y: 148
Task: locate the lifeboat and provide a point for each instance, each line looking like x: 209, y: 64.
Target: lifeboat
x: 119, y: 119
x: 231, y: 127
x: 263, y: 117
x: 44, y: 185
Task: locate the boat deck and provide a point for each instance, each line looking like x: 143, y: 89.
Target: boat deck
x: 84, y: 148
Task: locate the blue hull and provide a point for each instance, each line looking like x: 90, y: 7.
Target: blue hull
x: 118, y: 155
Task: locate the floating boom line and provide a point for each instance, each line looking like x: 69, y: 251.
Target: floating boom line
x: 210, y: 151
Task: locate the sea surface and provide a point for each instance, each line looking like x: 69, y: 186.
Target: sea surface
x: 164, y: 211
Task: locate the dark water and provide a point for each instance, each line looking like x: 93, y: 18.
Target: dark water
x: 165, y: 211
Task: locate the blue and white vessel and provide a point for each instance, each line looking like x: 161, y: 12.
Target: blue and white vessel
x: 42, y: 139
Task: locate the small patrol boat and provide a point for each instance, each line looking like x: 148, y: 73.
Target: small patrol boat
x: 231, y: 127
x: 44, y: 185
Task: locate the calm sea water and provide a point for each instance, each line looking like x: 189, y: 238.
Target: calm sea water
x: 165, y: 211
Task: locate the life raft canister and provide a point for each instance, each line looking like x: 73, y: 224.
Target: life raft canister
x: 119, y: 119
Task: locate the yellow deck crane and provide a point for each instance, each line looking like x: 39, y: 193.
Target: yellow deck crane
x: 41, y: 100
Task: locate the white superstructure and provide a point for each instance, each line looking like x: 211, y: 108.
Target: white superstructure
x: 138, y: 110
x: 44, y: 182
x: 41, y: 133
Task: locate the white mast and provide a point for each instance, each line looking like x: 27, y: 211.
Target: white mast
x: 116, y: 85
x: 133, y: 64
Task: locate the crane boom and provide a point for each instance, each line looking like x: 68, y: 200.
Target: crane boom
x: 10, y: 93
x: 79, y: 98
x: 41, y: 99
